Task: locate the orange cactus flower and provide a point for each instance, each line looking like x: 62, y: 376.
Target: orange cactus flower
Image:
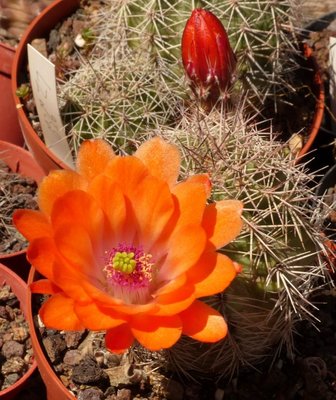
x: 127, y: 249
x: 207, y: 56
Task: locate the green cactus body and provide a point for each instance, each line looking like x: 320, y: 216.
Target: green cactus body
x: 134, y: 80
x: 261, y: 33
x: 279, y: 248
x: 118, y: 101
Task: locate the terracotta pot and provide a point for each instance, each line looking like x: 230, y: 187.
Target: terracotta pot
x: 55, y: 388
x: 20, y: 288
x: 324, y: 140
x: 21, y: 161
x: 318, y: 91
x: 40, y: 27
x: 9, y: 123
x: 329, y: 181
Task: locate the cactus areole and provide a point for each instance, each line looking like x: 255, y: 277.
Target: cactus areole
x: 207, y: 56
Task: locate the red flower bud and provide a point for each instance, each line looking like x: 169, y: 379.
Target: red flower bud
x: 207, y: 55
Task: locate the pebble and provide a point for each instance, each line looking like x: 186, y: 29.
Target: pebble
x: 91, y: 394
x: 124, y: 394
x: 73, y: 338
x: 15, y: 344
x: 72, y: 357
x: 54, y: 346
x: 10, y: 379
x: 5, y: 293
x: 12, y: 349
x: 7, y: 336
x: 3, y: 312
x: 88, y: 372
x: 4, y: 325
x: 13, y: 365
x: 20, y: 333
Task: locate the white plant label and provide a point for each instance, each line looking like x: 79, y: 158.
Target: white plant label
x: 332, y: 83
x: 43, y: 82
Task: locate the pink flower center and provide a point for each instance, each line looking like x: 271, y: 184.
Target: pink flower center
x: 129, y: 272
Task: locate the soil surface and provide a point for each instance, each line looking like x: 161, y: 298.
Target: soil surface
x: 16, y: 351
x: 16, y: 192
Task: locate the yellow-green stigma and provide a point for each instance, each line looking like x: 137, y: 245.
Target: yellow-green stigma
x: 124, y: 262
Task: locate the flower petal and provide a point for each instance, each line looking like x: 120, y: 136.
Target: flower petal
x: 176, y: 301
x: 152, y: 206
x: 222, y: 221
x: 156, y: 333
x: 105, y: 300
x: 161, y: 158
x: 96, y: 318
x: 202, y: 179
x: 74, y: 244
x: 171, y: 285
x: 127, y: 172
x: 44, y: 286
x: 112, y: 202
x: 119, y: 339
x: 203, y: 323
x: 212, y: 274
x: 58, y: 313
x: 191, y: 198
x: 41, y: 254
x: 79, y: 208
x: 55, y: 185
x: 93, y: 156
x: 32, y: 224
x: 185, y: 247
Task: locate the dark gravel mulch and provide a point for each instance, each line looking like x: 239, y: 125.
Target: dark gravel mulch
x: 16, y: 192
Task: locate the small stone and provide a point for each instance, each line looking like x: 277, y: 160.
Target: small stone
x: 10, y: 313
x: 7, y: 336
x: 118, y: 376
x: 73, y: 338
x: 72, y: 357
x: 13, y: 365
x: 12, y: 349
x: 4, y: 325
x: 20, y: 333
x: 54, y: 346
x: 91, y: 394
x: 65, y: 380
x: 3, y: 312
x: 88, y: 372
x: 80, y: 41
x: 124, y: 394
x: 111, y: 360
x: 9, y: 380
x: 6, y: 293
